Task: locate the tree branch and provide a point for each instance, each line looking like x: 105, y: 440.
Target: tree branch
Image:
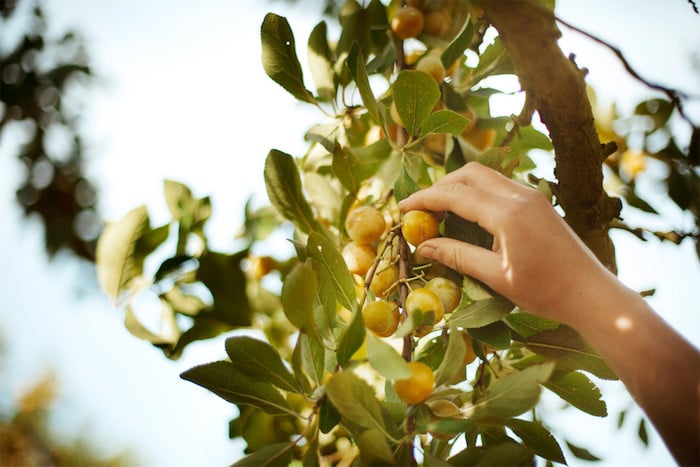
x: 557, y: 89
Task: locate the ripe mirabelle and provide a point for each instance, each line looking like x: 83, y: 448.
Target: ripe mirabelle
x: 417, y: 387
x: 407, y: 22
x: 384, y: 278
x: 437, y: 23
x: 418, y: 226
x: 425, y: 301
x: 481, y: 138
x: 381, y: 317
x: 471, y: 116
x: 433, y: 66
x: 447, y: 291
x: 365, y: 224
x: 359, y: 257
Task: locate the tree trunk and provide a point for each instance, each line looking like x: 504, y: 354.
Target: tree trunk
x: 556, y: 88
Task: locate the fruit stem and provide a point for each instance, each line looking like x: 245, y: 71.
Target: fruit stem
x: 407, y: 351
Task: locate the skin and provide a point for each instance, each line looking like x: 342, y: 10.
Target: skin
x: 658, y: 366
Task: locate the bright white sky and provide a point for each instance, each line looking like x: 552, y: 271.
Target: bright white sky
x: 182, y: 95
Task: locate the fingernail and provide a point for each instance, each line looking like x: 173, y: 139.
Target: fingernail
x: 425, y: 249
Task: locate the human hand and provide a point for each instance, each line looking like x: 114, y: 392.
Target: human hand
x: 536, y: 261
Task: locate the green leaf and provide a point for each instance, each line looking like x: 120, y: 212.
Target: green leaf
x: 444, y: 121
x: 493, y: 61
x: 513, y: 394
x: 385, y: 359
x: 320, y: 60
x: 415, y: 95
x: 279, y: 57
x: 453, y: 361
x: 272, y: 455
x: 527, y: 324
x: 658, y: 109
x: 582, y: 453
x: 405, y: 185
x: 328, y: 416
x: 374, y: 448
x: 459, y: 44
x: 225, y: 381
x: 298, y: 293
x: 642, y: 432
x: 347, y: 168
x: 355, y: 401
x: 116, y: 264
x: 312, y: 354
x: 481, y: 312
x: 284, y: 189
x: 324, y: 251
x: 136, y: 328
x: 260, y: 360
x: 496, y: 334
x: 466, y: 231
x: 579, y: 391
x: 537, y: 438
x: 356, y: 64
x: 225, y: 279
x: 506, y: 453
x: 570, y: 351
x: 351, y: 339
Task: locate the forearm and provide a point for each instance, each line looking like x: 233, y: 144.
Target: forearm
x: 659, y: 367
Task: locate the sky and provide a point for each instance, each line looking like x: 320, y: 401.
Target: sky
x: 181, y: 95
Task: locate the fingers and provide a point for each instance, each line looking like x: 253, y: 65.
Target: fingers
x: 480, y: 176
x: 466, y: 201
x: 472, y: 260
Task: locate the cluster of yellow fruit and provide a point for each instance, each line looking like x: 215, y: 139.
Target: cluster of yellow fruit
x: 421, y: 17
x: 365, y: 225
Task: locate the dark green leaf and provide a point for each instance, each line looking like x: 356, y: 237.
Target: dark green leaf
x: 356, y: 64
x: 455, y: 159
x: 642, y: 432
x: 506, y: 453
x: 385, y: 359
x: 351, y: 339
x: 481, y: 312
x: 444, y: 121
x: 405, y: 185
x: 328, y: 416
x: 537, y: 438
x: 279, y: 57
x: 321, y: 62
x: 496, y: 334
x: 527, y: 324
x: 579, y: 391
x: 224, y: 277
x: 324, y: 251
x: 459, y: 44
x: 570, y: 350
x: 260, y: 360
x: 466, y: 231
x: 658, y: 109
x: 346, y: 167
x: 374, y: 447
x: 272, y: 455
x: 415, y: 95
x: 298, y: 293
x: 225, y: 381
x: 581, y: 453
x: 284, y: 189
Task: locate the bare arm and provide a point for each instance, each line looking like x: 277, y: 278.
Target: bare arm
x: 535, y: 257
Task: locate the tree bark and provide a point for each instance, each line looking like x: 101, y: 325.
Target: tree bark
x: 556, y: 87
